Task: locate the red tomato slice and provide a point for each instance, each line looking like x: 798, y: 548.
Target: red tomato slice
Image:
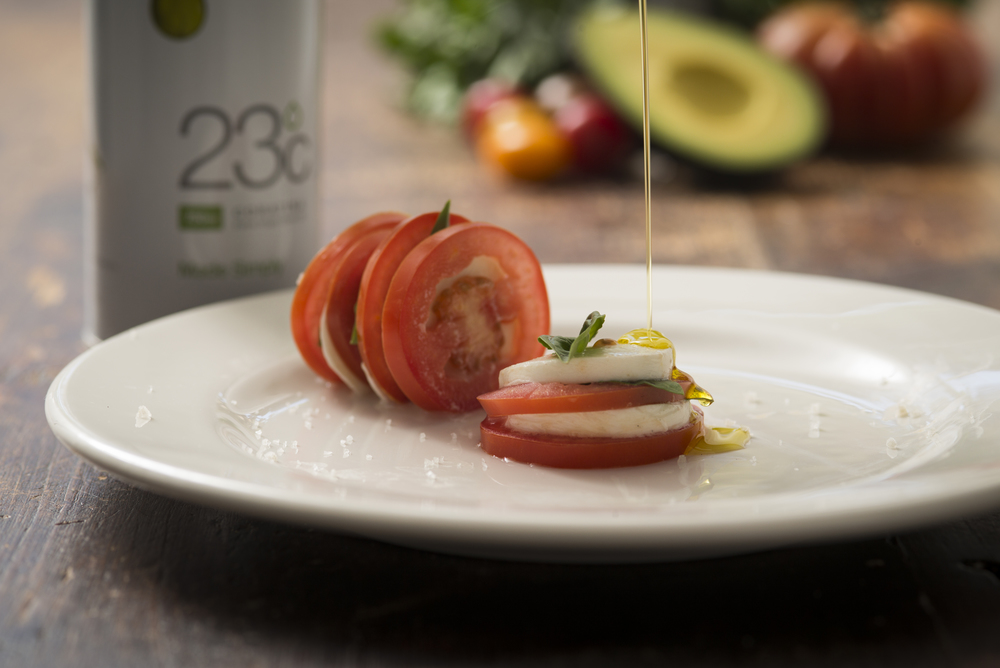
x: 446, y: 336
x: 528, y: 398
x: 375, y: 282
x: 586, y: 453
x: 314, y: 287
x: 345, y: 282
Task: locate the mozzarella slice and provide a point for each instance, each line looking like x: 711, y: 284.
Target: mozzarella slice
x: 357, y: 385
x: 620, y: 423
x: 376, y: 388
x: 623, y: 362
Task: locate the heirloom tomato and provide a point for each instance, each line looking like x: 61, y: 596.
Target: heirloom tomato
x: 894, y: 82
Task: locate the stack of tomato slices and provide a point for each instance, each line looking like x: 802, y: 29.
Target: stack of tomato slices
x: 560, y: 451
x: 429, y: 318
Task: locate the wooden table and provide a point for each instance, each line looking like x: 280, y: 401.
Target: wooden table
x: 94, y: 572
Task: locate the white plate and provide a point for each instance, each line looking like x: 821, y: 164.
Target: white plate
x: 870, y: 408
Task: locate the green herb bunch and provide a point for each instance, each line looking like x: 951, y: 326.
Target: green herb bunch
x: 449, y: 44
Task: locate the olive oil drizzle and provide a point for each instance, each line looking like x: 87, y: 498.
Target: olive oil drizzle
x: 646, y: 164
x: 713, y: 439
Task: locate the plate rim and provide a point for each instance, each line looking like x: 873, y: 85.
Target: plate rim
x: 631, y: 532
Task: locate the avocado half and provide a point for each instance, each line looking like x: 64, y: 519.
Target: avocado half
x: 715, y: 98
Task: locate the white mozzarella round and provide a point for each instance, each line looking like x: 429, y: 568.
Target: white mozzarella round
x: 620, y: 423
x: 357, y: 385
x: 622, y: 362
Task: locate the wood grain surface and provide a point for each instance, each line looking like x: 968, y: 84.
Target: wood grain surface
x: 95, y: 572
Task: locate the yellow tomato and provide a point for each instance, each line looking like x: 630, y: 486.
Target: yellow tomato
x: 517, y: 136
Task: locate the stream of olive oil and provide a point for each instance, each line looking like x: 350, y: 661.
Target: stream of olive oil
x: 646, y: 164
x: 712, y: 439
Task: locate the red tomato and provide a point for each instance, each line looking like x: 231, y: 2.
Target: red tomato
x: 446, y: 336
x: 599, y: 139
x: 375, y: 282
x: 528, y: 398
x: 314, y: 287
x: 586, y: 453
x: 345, y: 282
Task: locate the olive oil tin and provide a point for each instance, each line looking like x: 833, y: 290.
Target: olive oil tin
x: 202, y: 166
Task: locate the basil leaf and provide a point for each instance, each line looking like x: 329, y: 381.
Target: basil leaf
x: 668, y: 385
x: 442, y: 221
x: 354, y: 329
x: 589, y: 330
x: 564, y: 347
x: 560, y: 345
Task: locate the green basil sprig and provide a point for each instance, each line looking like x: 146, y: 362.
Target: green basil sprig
x: 564, y: 347
x: 354, y: 328
x: 442, y: 219
x: 668, y: 385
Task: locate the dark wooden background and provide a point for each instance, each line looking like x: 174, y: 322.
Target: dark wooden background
x: 94, y: 572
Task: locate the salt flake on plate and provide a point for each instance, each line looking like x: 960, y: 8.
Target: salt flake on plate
x: 142, y: 417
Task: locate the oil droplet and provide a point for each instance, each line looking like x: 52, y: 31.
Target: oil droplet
x: 694, y: 390
x: 647, y: 338
x: 713, y: 440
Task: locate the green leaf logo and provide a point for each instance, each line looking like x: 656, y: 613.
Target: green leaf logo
x: 199, y: 217
x: 178, y: 19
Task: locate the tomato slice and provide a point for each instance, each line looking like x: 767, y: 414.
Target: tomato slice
x: 527, y: 398
x: 375, y: 282
x: 314, y: 286
x: 586, y: 453
x: 465, y: 303
x: 337, y: 323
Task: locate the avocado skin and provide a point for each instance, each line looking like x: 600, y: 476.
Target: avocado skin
x: 785, y: 142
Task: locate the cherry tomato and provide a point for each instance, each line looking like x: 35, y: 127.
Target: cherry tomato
x: 465, y: 303
x: 479, y: 98
x: 339, y: 317
x: 381, y: 267
x: 313, y: 289
x: 529, y: 398
x: 586, y: 453
x: 517, y: 136
x: 891, y: 83
x: 599, y: 139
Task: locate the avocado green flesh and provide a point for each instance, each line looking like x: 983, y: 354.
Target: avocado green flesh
x: 715, y: 97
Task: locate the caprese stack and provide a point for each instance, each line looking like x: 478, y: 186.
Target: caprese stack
x: 612, y: 404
